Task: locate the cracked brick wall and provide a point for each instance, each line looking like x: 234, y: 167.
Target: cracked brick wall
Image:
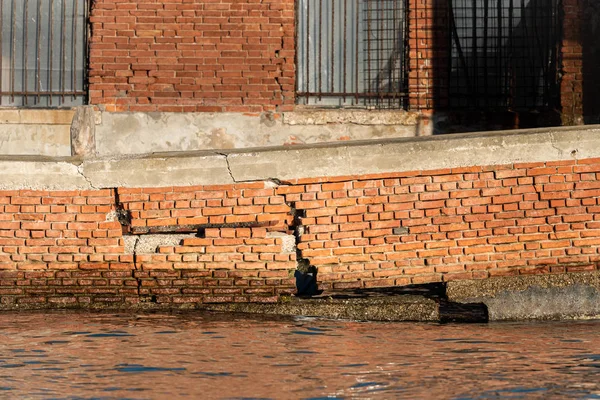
x: 187, y: 246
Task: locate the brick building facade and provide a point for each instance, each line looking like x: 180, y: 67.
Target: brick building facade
x: 203, y: 229
x: 240, y: 56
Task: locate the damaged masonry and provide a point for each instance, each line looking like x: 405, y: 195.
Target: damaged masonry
x: 252, y: 228
x: 145, y: 241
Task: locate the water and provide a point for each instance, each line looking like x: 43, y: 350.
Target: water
x: 124, y: 356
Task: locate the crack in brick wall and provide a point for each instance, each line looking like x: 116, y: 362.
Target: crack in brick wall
x: 69, y: 248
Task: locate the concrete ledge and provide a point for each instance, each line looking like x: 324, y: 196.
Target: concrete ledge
x: 158, y: 171
x: 35, y: 139
x: 41, y: 175
x: 323, y: 160
x: 390, y: 308
x: 561, y: 296
x: 35, y: 132
x: 140, y: 133
x: 417, y: 154
x: 36, y: 117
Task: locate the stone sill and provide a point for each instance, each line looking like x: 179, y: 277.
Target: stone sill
x: 37, y: 117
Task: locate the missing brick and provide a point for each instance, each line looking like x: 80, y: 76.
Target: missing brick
x: 400, y: 231
x: 137, y: 245
x: 305, y: 274
x: 122, y: 215
x: 198, y: 229
x: 149, y: 244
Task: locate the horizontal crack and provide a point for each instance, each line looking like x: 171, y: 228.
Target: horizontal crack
x: 191, y: 228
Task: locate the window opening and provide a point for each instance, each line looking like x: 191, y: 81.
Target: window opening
x: 503, y: 54
x: 352, y: 53
x: 43, y: 49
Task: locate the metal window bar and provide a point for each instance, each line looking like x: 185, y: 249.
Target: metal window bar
x: 43, y: 49
x: 352, y: 53
x: 504, y: 54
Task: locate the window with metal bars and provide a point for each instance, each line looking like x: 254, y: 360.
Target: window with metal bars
x: 503, y: 54
x: 43, y: 49
x: 352, y: 53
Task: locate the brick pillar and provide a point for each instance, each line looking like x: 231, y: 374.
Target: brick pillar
x: 420, y: 42
x: 571, y: 90
x: 428, y: 52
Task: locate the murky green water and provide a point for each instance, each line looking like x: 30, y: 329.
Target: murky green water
x: 124, y: 356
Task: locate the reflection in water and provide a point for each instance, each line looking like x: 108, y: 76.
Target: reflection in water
x: 107, y: 356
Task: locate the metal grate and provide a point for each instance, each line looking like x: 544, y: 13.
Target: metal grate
x: 43, y: 48
x: 504, y: 54
x: 352, y: 53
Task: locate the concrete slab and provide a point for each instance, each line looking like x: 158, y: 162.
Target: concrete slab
x: 157, y: 171
x: 427, y: 153
x: 140, y: 133
x: 287, y: 163
x: 40, y: 175
x: 558, y: 296
x: 390, y: 308
x: 36, y: 117
x: 43, y: 140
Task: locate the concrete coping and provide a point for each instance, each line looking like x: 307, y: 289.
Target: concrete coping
x: 306, y: 161
x: 36, y: 117
x: 528, y: 135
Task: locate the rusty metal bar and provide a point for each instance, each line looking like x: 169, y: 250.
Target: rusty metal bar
x: 333, y: 41
x: 385, y: 95
x: 308, y: 46
x: 379, y: 42
x: 44, y: 93
x: 50, y: 50
x: 486, y: 15
x: 1, y: 39
x: 474, y: 51
x: 74, y: 63
x: 510, y: 74
x: 14, y: 49
x: 25, y: 52
x: 356, y: 56
x: 369, y: 41
x: 38, y: 68
x: 392, y: 70
x: 499, y: 41
x: 85, y: 56
x: 63, y: 49
x: 344, y: 52
x: 319, y: 70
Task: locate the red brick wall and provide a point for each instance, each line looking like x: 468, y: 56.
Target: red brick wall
x: 463, y: 223
x: 422, y: 20
x: 67, y: 249
x: 238, y: 55
x: 186, y: 56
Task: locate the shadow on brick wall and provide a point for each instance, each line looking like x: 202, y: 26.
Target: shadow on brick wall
x: 470, y: 93
x: 591, y: 62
